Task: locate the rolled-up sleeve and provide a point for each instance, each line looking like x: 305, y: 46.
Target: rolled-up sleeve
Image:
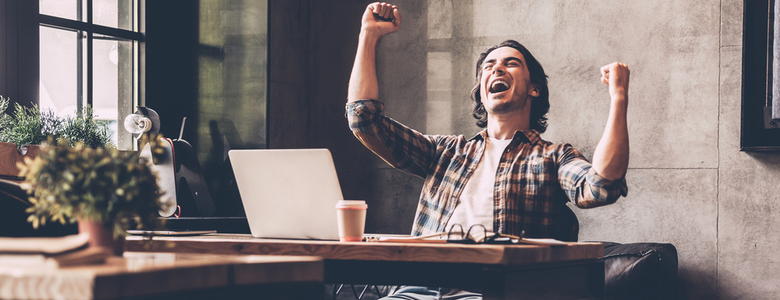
x: 583, y: 185
x: 400, y: 146
x: 363, y: 115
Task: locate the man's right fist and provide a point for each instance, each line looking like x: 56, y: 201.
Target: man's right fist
x: 381, y: 19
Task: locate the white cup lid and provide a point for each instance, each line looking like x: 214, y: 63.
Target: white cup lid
x: 352, y: 204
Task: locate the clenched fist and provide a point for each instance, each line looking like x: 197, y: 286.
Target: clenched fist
x: 616, y: 76
x: 381, y: 19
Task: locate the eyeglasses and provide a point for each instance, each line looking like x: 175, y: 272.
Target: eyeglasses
x: 457, y: 236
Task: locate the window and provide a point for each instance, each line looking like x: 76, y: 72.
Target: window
x: 89, y: 55
x: 759, y: 131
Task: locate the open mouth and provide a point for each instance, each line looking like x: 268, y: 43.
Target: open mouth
x: 498, y: 86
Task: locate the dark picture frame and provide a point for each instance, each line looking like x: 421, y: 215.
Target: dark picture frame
x: 757, y: 42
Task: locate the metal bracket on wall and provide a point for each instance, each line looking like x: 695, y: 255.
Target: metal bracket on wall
x: 770, y: 123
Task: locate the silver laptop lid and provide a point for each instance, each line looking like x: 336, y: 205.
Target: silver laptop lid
x: 288, y: 193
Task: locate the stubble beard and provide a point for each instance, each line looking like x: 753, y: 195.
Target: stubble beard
x: 507, y: 106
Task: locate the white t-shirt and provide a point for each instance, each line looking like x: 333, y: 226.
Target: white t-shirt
x: 476, y: 201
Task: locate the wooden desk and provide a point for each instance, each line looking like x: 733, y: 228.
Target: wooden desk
x: 170, y: 276
x: 501, y: 271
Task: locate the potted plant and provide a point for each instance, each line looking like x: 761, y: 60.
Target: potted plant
x: 106, y: 190
x: 28, y: 127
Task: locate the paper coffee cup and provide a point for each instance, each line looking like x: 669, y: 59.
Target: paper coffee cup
x: 351, y: 215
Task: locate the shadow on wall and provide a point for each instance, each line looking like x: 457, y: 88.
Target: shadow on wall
x: 696, y: 284
x: 769, y: 159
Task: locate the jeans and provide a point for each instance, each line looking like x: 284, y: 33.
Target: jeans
x: 431, y: 293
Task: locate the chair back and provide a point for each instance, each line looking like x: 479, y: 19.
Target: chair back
x: 567, y: 228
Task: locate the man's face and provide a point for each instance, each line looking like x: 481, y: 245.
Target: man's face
x: 505, y: 85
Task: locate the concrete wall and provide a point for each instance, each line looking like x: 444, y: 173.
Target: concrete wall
x: 689, y: 184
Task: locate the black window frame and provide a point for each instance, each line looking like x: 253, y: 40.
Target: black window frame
x: 90, y: 31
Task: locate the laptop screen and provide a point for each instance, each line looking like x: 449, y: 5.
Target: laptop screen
x: 288, y: 193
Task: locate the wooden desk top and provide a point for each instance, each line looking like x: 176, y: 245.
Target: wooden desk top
x: 376, y: 251
x: 139, y: 274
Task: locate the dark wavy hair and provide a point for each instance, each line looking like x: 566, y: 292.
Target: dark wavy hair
x: 539, y: 105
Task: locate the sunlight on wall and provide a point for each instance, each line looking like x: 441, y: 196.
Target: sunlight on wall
x: 439, y: 103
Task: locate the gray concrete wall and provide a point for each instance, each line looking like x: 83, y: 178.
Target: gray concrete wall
x: 689, y: 184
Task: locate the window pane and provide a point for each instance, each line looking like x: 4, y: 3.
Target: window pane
x: 60, y: 8
x: 113, y: 13
x: 113, y: 85
x: 59, y: 70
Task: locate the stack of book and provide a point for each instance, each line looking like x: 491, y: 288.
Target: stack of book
x: 53, y: 252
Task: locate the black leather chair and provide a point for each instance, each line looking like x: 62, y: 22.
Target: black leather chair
x: 567, y: 228
x: 13, y: 217
x: 631, y: 271
x: 640, y: 271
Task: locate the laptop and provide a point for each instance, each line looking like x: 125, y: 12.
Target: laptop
x: 288, y: 193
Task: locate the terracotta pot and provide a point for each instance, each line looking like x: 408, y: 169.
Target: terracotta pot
x: 100, y: 236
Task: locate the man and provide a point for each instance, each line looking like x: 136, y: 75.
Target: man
x: 506, y: 178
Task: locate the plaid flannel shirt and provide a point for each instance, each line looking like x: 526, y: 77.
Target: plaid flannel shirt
x: 535, y: 178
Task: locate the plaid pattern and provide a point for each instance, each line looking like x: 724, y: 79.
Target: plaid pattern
x: 534, y: 180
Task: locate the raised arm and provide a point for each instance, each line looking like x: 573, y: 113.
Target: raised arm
x: 379, y: 19
x: 610, y: 159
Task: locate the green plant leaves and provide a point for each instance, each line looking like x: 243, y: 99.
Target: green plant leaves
x: 84, y: 128
x: 110, y: 186
x: 31, y: 126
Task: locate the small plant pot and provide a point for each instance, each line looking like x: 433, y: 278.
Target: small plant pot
x: 100, y: 236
